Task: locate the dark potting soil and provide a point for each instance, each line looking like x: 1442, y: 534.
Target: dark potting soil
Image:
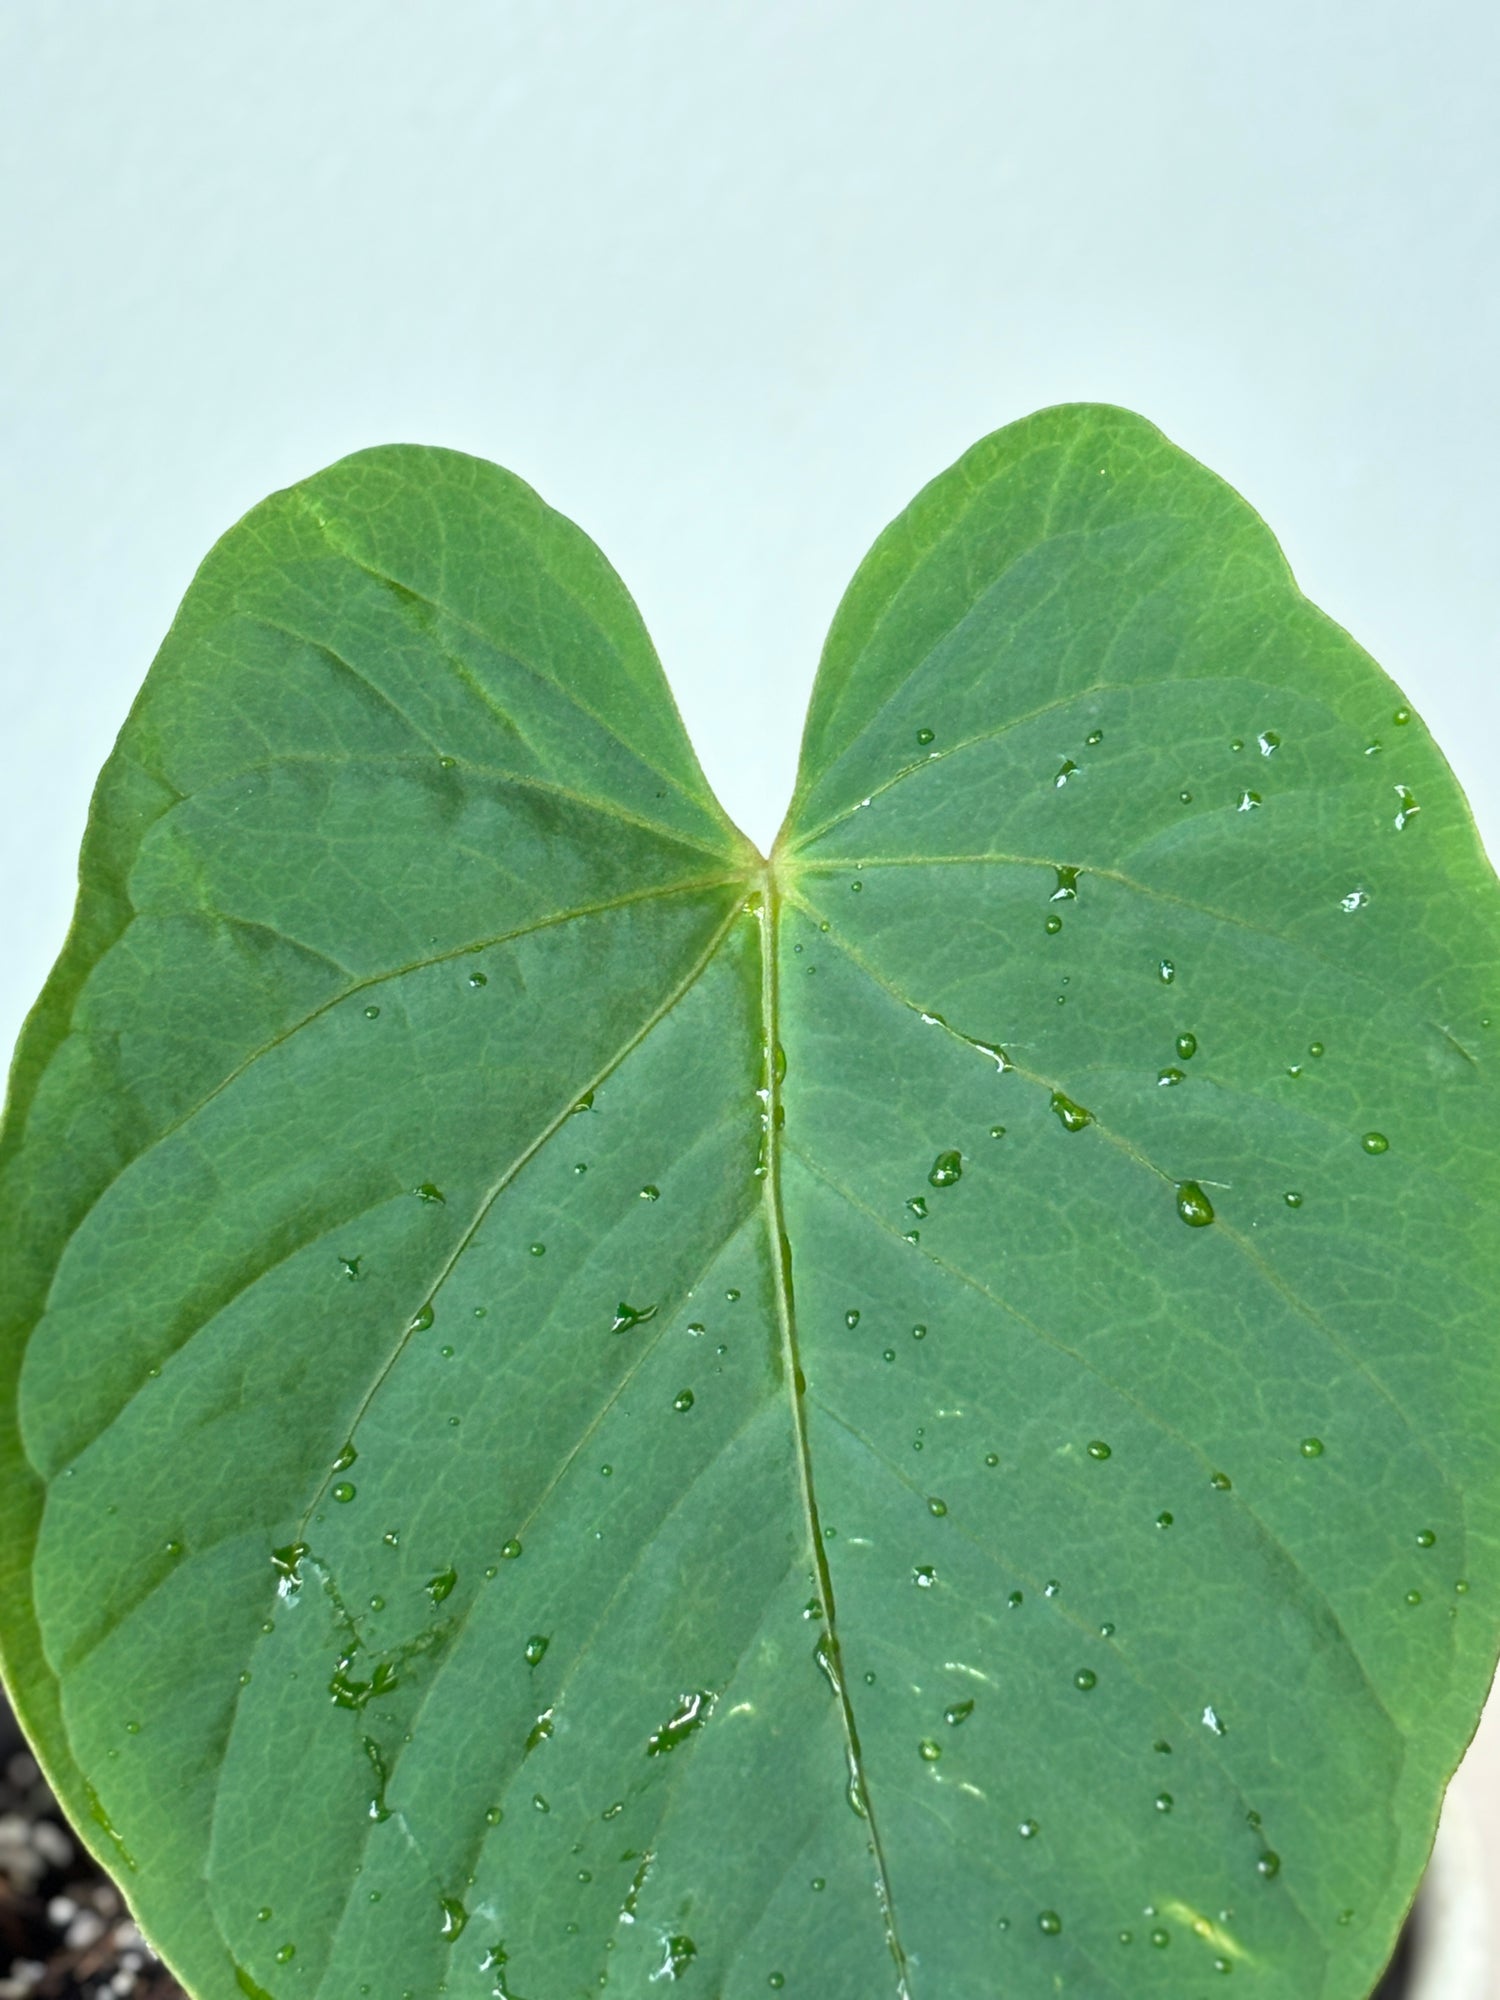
x: 64, y: 1930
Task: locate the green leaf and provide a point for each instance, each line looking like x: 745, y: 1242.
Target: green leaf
x: 583, y: 1409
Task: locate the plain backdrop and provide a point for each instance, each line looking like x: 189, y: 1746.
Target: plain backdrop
x: 727, y: 283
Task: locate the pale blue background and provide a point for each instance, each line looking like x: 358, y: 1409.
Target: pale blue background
x: 727, y: 282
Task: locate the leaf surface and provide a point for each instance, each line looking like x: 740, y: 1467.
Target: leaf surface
x: 915, y: 1418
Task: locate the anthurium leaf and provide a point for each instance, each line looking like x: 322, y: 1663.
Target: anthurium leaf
x: 584, y: 1410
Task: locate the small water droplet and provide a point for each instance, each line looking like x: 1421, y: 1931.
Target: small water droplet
x: 992, y: 1458
x: 1268, y: 741
x: 937, y: 1507
x: 1414, y: 1597
x: 924, y: 1576
x: 683, y: 1400
x: 1220, y: 1482
x: 1015, y: 1600
x: 1193, y: 1205
x: 1161, y: 1938
x: 919, y: 1332
x: 1268, y: 1864
x: 681, y: 1951
x: 1375, y: 1142
x: 511, y: 1549
x: 1292, y: 1198
x: 1049, y: 1923
x: 1098, y: 1449
x: 924, y: 736
x: 946, y: 1169
x: 691, y: 1713
x: 1407, y: 808
x: 421, y: 1319
x: 1163, y: 1802
x: 918, y: 1206
x: 649, y: 1193
x: 440, y: 1586
x: 536, y: 1648
x: 285, y: 1954
x: 1166, y: 971
x: 1165, y: 1078
x: 1067, y: 886
x: 1248, y: 801
x: 1425, y: 1538
x: 1355, y: 900
x: 1066, y: 772
x: 351, y: 1267
x: 1164, y: 1520
x: 627, y: 1316
x: 343, y: 1492
x: 957, y: 1712
x: 856, y: 887
x: 372, y: 1013
x: 1187, y: 1046
x: 1052, y: 926
x: 1085, y: 1679
x: 929, y: 1751
x: 455, y: 1917
x: 1401, y: 717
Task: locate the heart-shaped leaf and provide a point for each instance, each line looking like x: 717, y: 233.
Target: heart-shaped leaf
x: 585, y: 1410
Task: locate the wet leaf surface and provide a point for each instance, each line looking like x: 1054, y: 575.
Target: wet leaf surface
x: 586, y: 1410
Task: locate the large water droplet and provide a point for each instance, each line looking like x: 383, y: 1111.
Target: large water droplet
x: 1049, y: 1923
x: 627, y: 1316
x: 946, y: 1169
x: 1073, y: 1116
x: 1193, y: 1205
x: 455, y: 1916
x: 1375, y: 1142
x: 1067, y: 886
x: 1407, y: 808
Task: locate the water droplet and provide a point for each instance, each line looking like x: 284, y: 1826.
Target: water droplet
x: 1066, y: 772
x: 372, y: 1013
x: 946, y: 1169
x: 1220, y: 1482
x: 924, y: 736
x: 343, y: 1492
x: 428, y: 1192
x: 997, y: 1131
x: 1462, y: 1586
x: 1052, y: 926
x: 776, y: 1981
x: 1049, y: 1923
x: 1186, y: 798
x: 351, y: 1267
x: 1165, y: 1078
x: 627, y: 1316
x: 1161, y: 1938
x: 1073, y: 1116
x: 1193, y: 1205
x: 1052, y: 1587
x: 1166, y: 972
x: 536, y: 1648
x: 1098, y: 1449
x: 421, y: 1319
x: 1268, y: 1864
x: 511, y: 1549
x: 1292, y: 1198
x: 1067, y: 886
x: 1015, y: 1600
x: 1163, y: 1802
x: 1401, y: 717
x: 649, y: 1193
x: 1029, y: 1829
x: 1414, y: 1597
x: 683, y: 1400
x: 440, y: 1586
x: 919, y: 1332
x: 345, y: 1458
x: 494, y: 1815
x: 1268, y: 741
x: 1375, y: 1142
x: 1164, y: 1520
x: 1248, y: 801
x: 1407, y: 808
x: 1355, y: 900
x: 856, y: 887
x: 929, y: 1751
x: 285, y: 1954
x: 957, y: 1712
x: 992, y: 1458
x: 924, y: 1576
x: 1085, y: 1679
x: 1425, y: 1538
x: 681, y: 1951
x: 1127, y: 1937
x: 538, y: 1249
x: 918, y: 1206
x: 455, y: 1916
x: 1187, y: 1046
x: 1094, y: 736
x: 937, y: 1507
x: 691, y: 1713
x: 731, y: 1295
